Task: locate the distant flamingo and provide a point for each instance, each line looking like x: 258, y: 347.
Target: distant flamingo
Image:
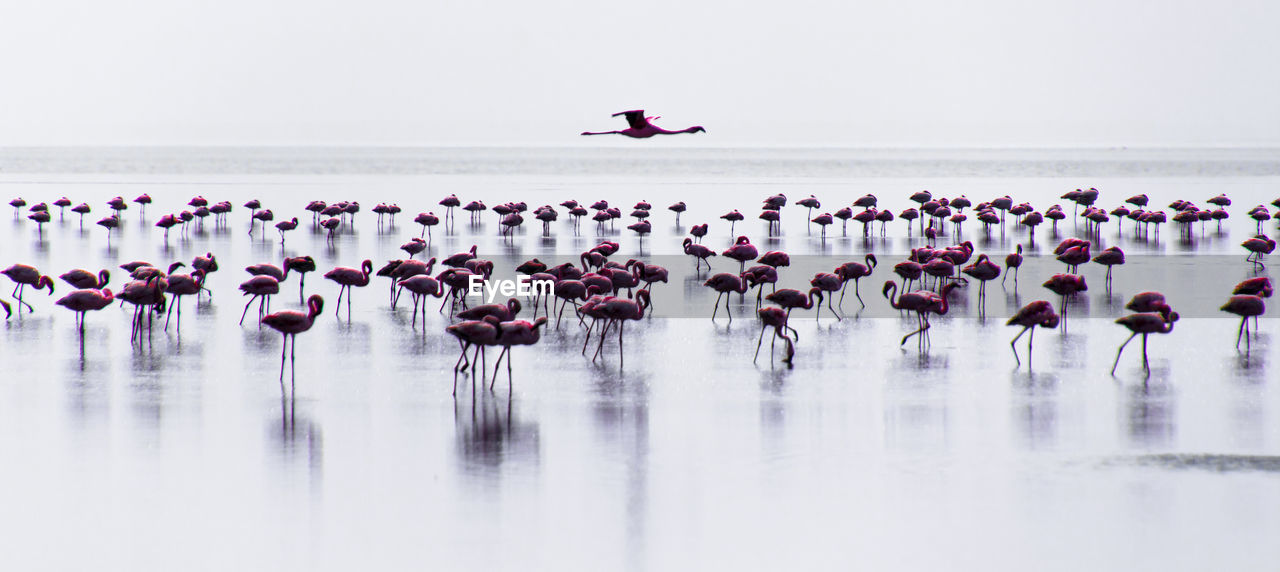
x: 1246, y: 306
x: 678, y: 208
x: 348, y: 277
x: 427, y: 220
x: 85, y: 300
x: 641, y: 128
x: 1145, y: 323
x: 290, y: 323
x: 24, y: 276
x: 733, y: 217
x: 1038, y: 313
x: 777, y: 319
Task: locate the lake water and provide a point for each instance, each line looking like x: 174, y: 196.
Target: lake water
x: 181, y: 452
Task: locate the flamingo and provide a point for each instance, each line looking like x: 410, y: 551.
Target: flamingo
x: 142, y: 294
x: 81, y: 209
x: 427, y: 220
x: 504, y: 312
x: 1066, y: 285
x: 618, y: 311
x: 1258, y: 246
x: 478, y: 333
x: 302, y: 265
x: 855, y: 271
x: 725, y: 283
x: 641, y: 127
x: 733, y: 217
x: 179, y: 285
x: 1110, y: 257
x: 823, y: 220
x: 698, y: 231
x: 922, y: 302
x: 758, y: 276
x: 1038, y: 313
x: 84, y: 300
x: 460, y: 259
x: 742, y: 251
x: 983, y: 270
x: 790, y: 299
x: 24, y: 276
x: 1246, y: 306
x: 699, y: 253
x: 909, y: 270
x: 421, y: 286
x: 776, y: 318
x: 515, y: 333
x: 261, y: 287
x: 290, y: 323
x: 1013, y: 262
x: 414, y: 247
x: 85, y: 280
x: 827, y: 282
x: 1145, y: 323
x: 348, y: 277
x: 678, y: 208
x: 285, y: 226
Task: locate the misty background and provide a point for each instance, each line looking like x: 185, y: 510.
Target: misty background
x: 392, y: 72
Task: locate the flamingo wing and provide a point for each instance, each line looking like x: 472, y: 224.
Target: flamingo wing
x: 635, y: 118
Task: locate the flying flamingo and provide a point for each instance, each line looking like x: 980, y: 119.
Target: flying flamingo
x: 1145, y: 323
x: 25, y: 275
x: 776, y: 318
x: 261, y: 287
x: 1038, y: 313
x: 515, y: 333
x: 855, y: 271
x: 84, y: 300
x: 1246, y: 306
x: 641, y: 128
x: 725, y: 283
x: 290, y: 323
x: 348, y: 277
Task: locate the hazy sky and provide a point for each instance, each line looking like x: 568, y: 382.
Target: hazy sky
x: 396, y: 72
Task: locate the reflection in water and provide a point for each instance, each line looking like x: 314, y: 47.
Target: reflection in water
x: 489, y: 434
x: 1150, y: 414
x: 622, y: 422
x: 298, y: 439
x: 1037, y: 413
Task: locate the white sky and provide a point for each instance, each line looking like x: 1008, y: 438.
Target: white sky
x: 397, y: 72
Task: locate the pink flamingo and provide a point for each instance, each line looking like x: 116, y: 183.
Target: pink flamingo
x: 776, y: 318
x: 504, y: 312
x: 742, y: 251
x: 983, y: 270
x: 774, y: 218
x: 855, y: 271
x: 1074, y: 256
x: 1145, y: 323
x: 1110, y: 257
x: 84, y: 280
x: 421, y: 286
x: 261, y: 288
x: 698, y: 231
x: 617, y: 311
x: 1066, y: 286
x: 460, y: 259
x: 427, y: 220
x: 1038, y: 313
x: 348, y: 277
x: 515, y: 333
x: 733, y: 217
x: 922, y: 302
x: 1013, y: 262
x: 478, y: 333
x: 1258, y: 247
x: 827, y: 282
x: 641, y: 126
x: 301, y: 265
x: 290, y: 323
x: 285, y: 226
x: 85, y: 300
x: 414, y: 247
x: 264, y: 269
x: 678, y: 208
x: 81, y: 209
x: 910, y: 271
x: 790, y: 299
x: 1246, y: 306
x: 758, y: 276
x: 726, y: 283
x: 25, y: 275
x: 699, y: 252
x: 448, y: 203
x: 143, y: 294
x: 182, y: 285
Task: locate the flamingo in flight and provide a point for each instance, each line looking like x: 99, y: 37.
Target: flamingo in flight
x: 641, y: 128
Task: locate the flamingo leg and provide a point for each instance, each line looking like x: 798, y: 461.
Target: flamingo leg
x: 1015, y: 341
x: 246, y: 309
x: 506, y: 351
x: 283, y: 346
x: 759, y: 343
x: 621, y: 355
x: 1243, y: 328
x: 1145, y: 365
x: 716, y: 307
x: 1030, y: 351
x: 1120, y: 351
